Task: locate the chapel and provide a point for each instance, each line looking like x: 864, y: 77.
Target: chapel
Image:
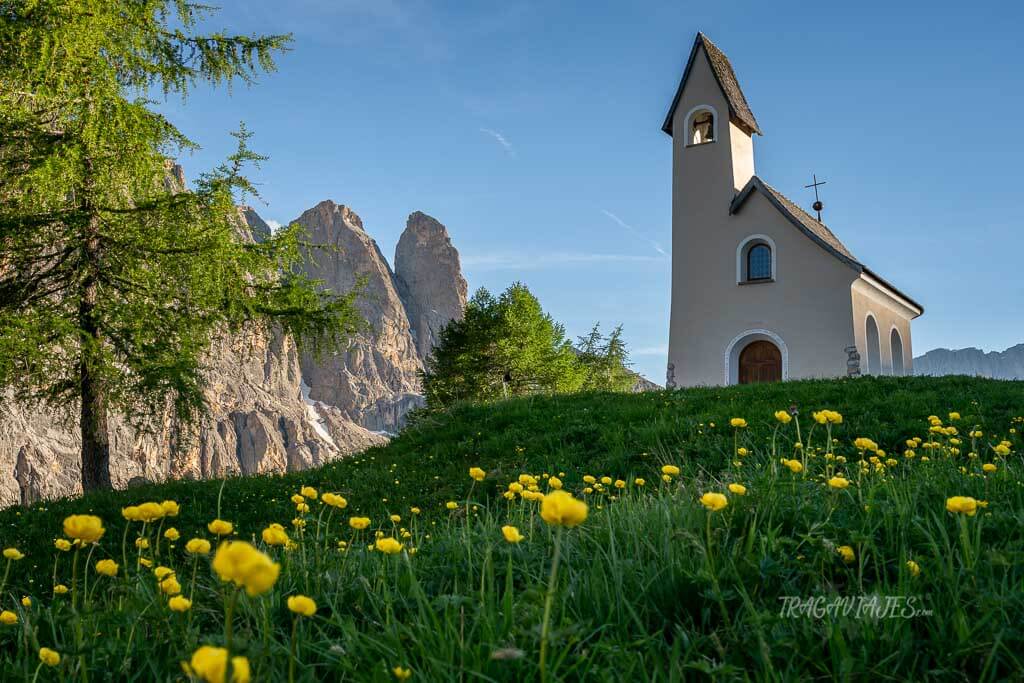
x: 762, y: 290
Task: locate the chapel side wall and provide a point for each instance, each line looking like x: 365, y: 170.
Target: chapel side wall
x: 888, y: 314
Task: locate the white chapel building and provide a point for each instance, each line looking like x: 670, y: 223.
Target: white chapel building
x: 761, y: 290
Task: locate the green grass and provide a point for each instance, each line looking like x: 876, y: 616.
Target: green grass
x: 651, y: 586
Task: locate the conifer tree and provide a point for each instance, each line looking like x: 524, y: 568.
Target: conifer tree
x: 111, y: 286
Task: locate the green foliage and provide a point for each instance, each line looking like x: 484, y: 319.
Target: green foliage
x: 605, y: 361
x: 652, y: 586
x: 508, y: 346
x: 113, y: 281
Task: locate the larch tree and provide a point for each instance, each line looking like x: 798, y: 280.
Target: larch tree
x: 112, y: 287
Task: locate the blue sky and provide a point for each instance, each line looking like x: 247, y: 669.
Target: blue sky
x: 532, y: 130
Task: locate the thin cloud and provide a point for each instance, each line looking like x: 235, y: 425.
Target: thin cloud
x: 274, y: 225
x: 558, y: 259
x: 626, y: 226
x: 501, y: 140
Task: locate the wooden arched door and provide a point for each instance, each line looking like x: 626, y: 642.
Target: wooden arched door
x: 760, y: 361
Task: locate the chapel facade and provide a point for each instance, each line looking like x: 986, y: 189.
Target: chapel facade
x: 761, y: 290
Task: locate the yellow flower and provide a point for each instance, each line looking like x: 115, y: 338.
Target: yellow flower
x: 847, y: 553
x: 913, y: 568
x: 170, y: 508
x: 84, y: 528
x: 172, y: 534
x: 415, y: 510
x: 742, y: 452
x: 954, y: 416
x: 334, y: 500
x: 783, y: 416
x: 1002, y: 449
x: 12, y: 554
x: 244, y: 565
x: 962, y: 504
x: 145, y: 562
x: 107, y: 567
x: 162, y: 573
x: 210, y: 664
x: 220, y: 527
x: 142, y: 543
x: 838, y: 482
x: 170, y: 586
x: 401, y: 674
x: 131, y: 513
x: 620, y: 484
x: 606, y: 480
x: 738, y: 422
x: 359, y: 523
x: 275, y: 535
x: 670, y: 470
x: 714, y: 501
x: 559, y: 508
x: 738, y: 489
x: 555, y: 483
x: 179, y: 603
x: 794, y: 466
x: 987, y: 467
x: 7, y: 617
x: 150, y: 512
x: 62, y: 544
x: 49, y: 657
x: 395, y: 518
x: 639, y: 482
x: 590, y: 479
x: 198, y: 546
x: 60, y: 589
x: 511, y: 534
x: 388, y: 545
x: 302, y: 605
x: 308, y: 492
x: 26, y: 601
x: 298, y: 499
x: 452, y: 505
x: 865, y: 444
x: 477, y: 474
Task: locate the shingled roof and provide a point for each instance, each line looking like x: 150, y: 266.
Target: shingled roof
x: 813, y: 228
x: 739, y: 110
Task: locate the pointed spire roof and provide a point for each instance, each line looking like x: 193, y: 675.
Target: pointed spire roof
x: 739, y: 110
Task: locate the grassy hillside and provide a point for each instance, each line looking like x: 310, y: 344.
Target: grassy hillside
x: 652, y: 585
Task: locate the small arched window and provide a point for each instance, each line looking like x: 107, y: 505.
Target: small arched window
x: 702, y: 128
x: 759, y: 263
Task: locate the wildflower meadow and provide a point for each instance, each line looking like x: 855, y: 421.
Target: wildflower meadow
x: 835, y: 530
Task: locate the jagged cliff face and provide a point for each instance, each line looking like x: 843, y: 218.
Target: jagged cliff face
x: 1008, y: 364
x: 429, y: 279
x: 375, y: 381
x: 270, y: 409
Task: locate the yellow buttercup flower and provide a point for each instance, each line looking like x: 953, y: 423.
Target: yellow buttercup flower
x: 452, y: 505
x: 8, y: 618
x: 107, y: 567
x: 962, y: 504
x: 954, y: 416
x: 590, y: 479
x: 49, y: 657
x: 308, y: 492
x: 555, y: 483
x: 865, y: 444
x: 210, y: 664
x: 172, y: 534
x: 738, y: 489
x: 62, y: 544
x: 559, y: 508
x: 714, y: 501
x: 145, y: 562
x: 913, y: 568
x: 245, y: 566
x: 170, y: 586
x: 162, y: 573
x: 846, y: 552
x: 794, y: 466
x: 179, y: 603
x: 415, y: 510
x: 477, y: 474
x: 783, y: 416
x: 639, y: 482
x: 1001, y: 449
x: 989, y: 467
x: 13, y: 554
x: 26, y: 601
x: 359, y: 523
x: 395, y: 519
x: 142, y: 543
x: 401, y: 674
x: 60, y: 589
x: 388, y: 545
x: 170, y: 508
x: 151, y: 512
x: 275, y: 535
x: 742, y: 452
x: 84, y: 528
x: 220, y: 527
x: 198, y: 546
x: 838, y: 482
x: 131, y: 513
x: 334, y: 500
x: 302, y: 605
x: 670, y: 470
x: 738, y: 422
x: 511, y: 534
x: 298, y: 499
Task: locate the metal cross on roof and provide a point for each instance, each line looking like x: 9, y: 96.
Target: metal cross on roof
x: 817, y: 206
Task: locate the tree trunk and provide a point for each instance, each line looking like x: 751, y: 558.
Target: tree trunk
x: 93, y: 422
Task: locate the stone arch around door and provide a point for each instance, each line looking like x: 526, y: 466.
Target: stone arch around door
x: 740, y: 342
x: 896, y: 350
